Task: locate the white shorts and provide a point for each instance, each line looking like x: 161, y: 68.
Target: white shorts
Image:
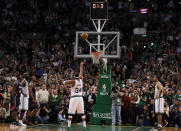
x: 24, y: 101
x: 159, y: 105
x: 76, y: 104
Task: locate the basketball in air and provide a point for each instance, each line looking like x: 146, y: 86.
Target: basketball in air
x: 84, y: 35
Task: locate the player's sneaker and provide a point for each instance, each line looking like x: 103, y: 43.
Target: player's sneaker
x: 18, y: 124
x: 166, y: 123
x: 84, y: 128
x: 68, y: 128
x: 23, y: 124
x: 159, y: 127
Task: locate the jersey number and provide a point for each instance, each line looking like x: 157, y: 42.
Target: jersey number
x: 77, y: 90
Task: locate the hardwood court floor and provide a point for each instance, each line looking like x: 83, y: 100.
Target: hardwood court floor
x: 56, y: 127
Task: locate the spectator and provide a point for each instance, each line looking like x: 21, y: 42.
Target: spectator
x: 127, y: 109
x: 135, y: 101
x: 173, y: 112
x: 42, y: 95
x: 143, y: 117
x: 90, y: 100
x: 152, y: 114
x: 116, y: 105
x: 3, y: 115
x: 48, y: 59
x: 54, y: 101
x: 91, y: 96
x: 61, y: 118
x: 42, y: 114
x: 178, y: 118
x: 1, y: 94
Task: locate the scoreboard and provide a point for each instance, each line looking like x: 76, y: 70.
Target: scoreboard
x: 99, y: 10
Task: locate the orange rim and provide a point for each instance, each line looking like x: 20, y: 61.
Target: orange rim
x: 96, y: 54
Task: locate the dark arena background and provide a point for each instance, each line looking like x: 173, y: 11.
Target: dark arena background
x: 121, y: 57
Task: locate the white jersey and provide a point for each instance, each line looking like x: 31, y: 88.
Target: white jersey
x: 76, y: 101
x: 157, y: 91
x: 25, y: 88
x: 77, y: 89
x: 159, y: 102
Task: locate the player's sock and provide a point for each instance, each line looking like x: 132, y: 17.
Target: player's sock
x: 20, y: 121
x: 159, y: 125
x: 24, y: 116
x: 84, y: 121
x: 69, y: 121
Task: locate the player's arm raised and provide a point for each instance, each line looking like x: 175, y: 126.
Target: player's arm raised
x: 81, y: 70
x: 69, y: 82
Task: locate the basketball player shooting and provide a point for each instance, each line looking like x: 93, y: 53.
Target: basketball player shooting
x: 159, y: 101
x: 76, y: 101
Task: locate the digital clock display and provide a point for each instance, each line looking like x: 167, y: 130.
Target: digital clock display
x: 97, y: 6
x: 99, y: 10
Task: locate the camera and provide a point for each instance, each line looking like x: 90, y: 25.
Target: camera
x: 114, y: 89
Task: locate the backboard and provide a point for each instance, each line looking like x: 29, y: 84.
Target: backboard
x: 105, y: 42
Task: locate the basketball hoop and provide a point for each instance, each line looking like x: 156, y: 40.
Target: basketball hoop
x: 95, y: 57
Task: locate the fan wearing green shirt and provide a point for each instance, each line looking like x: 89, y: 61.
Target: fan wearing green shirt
x: 54, y: 101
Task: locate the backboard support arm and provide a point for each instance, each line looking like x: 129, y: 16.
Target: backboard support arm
x: 99, y: 28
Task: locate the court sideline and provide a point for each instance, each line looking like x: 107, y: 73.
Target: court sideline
x: 57, y: 127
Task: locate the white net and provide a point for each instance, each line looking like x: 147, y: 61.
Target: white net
x: 95, y: 57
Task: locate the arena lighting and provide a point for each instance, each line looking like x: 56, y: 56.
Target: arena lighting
x: 143, y: 10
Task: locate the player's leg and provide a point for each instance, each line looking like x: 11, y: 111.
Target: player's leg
x: 20, y: 108
x: 161, y: 110
x: 32, y: 117
x: 25, y: 107
x: 14, y: 109
x: 21, y: 117
x: 71, y: 110
x: 80, y: 110
x: 14, y: 116
x: 32, y: 111
x: 157, y: 110
x: 84, y: 121
x: 159, y: 116
x: 70, y: 117
x: 24, y: 103
x: 157, y: 102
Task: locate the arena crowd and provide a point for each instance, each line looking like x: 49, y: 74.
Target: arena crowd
x: 46, y: 63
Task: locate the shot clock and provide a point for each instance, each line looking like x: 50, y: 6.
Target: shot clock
x: 99, y: 10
